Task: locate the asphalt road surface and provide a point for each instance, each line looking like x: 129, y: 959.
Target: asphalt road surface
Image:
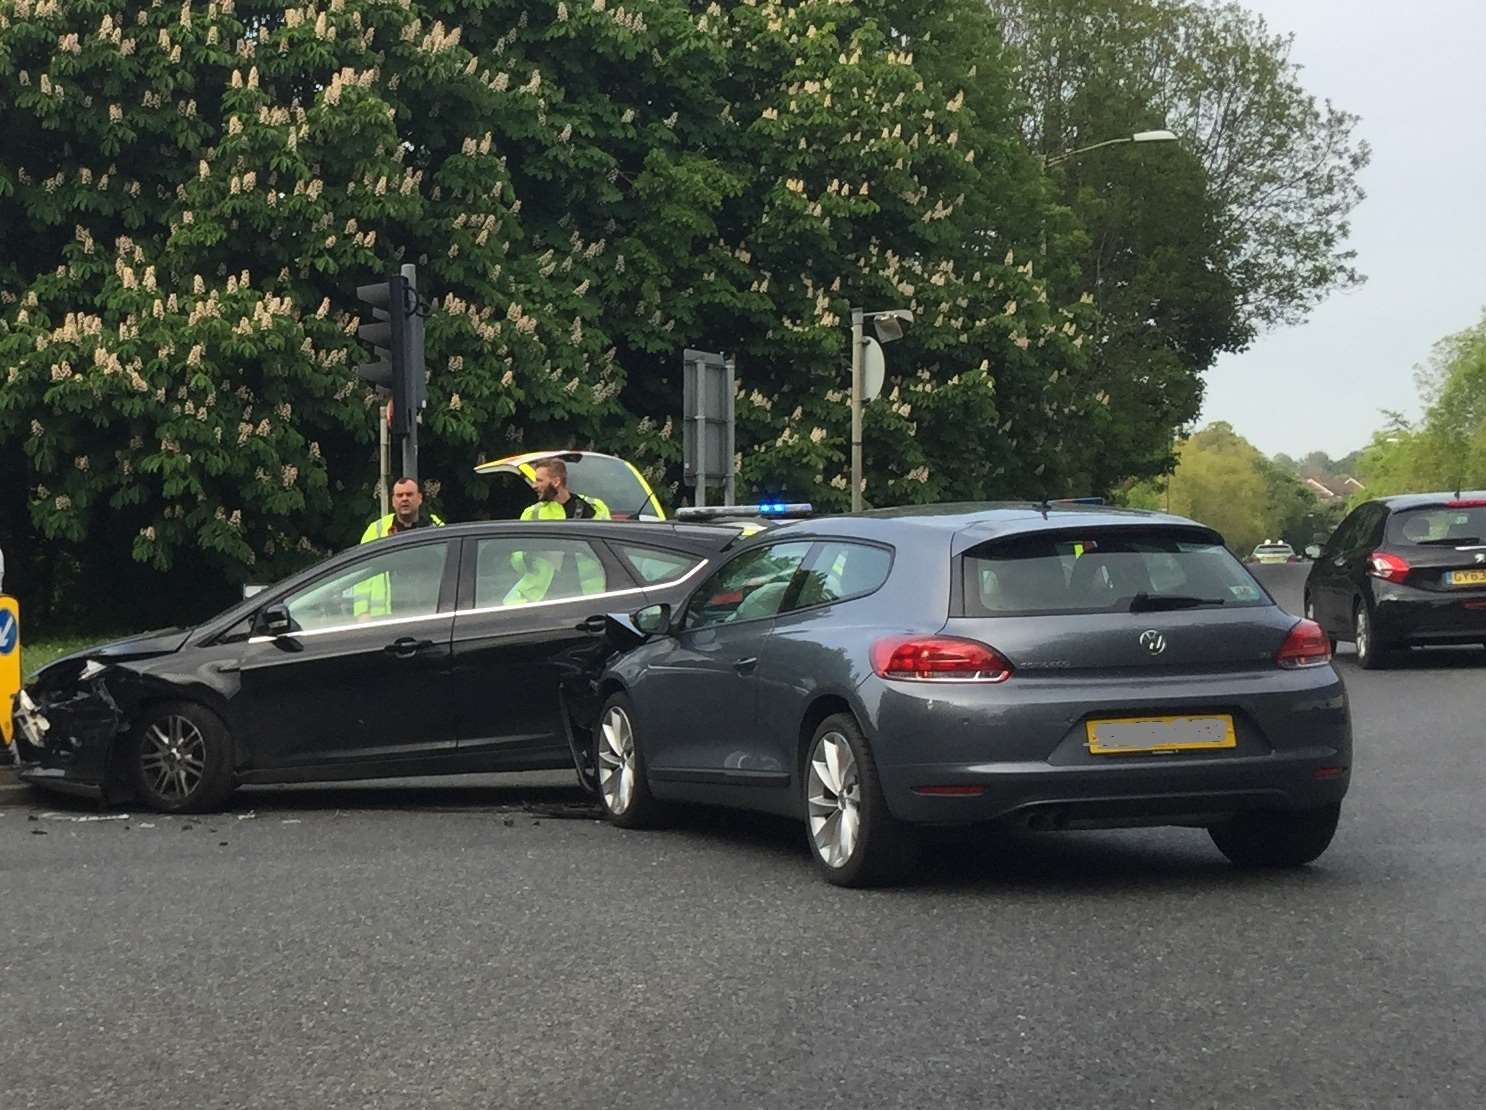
x: 487, y: 944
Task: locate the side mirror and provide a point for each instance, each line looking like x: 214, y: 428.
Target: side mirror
x: 1313, y: 551
x: 653, y: 620
x: 275, y: 620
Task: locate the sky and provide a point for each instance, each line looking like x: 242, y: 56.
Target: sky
x: 1416, y: 74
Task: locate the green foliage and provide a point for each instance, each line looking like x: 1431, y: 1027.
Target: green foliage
x: 191, y: 191
x: 1190, y: 249
x: 1446, y: 450
x: 1224, y: 482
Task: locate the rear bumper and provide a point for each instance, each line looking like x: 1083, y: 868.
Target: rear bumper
x: 1019, y: 751
x: 1131, y: 791
x: 1405, y: 615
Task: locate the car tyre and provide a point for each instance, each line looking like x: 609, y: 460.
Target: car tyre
x: 1277, y: 838
x: 1372, y: 653
x: 623, y: 788
x: 1310, y: 615
x: 179, y: 758
x: 854, y: 840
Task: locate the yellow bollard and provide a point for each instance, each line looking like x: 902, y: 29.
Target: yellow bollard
x: 10, y: 662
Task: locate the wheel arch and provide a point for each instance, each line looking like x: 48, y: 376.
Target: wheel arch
x: 821, y: 707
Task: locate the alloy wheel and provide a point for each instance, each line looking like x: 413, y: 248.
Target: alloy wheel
x: 616, y: 760
x: 1363, y: 633
x: 173, y: 757
x: 834, y: 794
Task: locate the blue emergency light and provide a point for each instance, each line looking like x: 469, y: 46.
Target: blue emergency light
x: 776, y: 509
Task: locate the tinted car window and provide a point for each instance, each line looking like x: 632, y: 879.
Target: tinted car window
x: 652, y: 566
x: 1438, y: 525
x: 521, y: 570
x: 751, y: 586
x: 1102, y: 572
x: 1343, y: 538
x: 400, y: 583
x: 841, y: 570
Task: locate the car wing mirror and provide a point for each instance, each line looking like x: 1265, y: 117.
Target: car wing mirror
x: 275, y: 620
x: 627, y: 631
x: 653, y: 620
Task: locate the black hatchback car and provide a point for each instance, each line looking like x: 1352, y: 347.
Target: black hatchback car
x: 440, y: 650
x: 1042, y: 666
x: 1403, y: 572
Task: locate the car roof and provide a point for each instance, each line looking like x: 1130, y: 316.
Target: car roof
x: 978, y: 521
x: 1421, y: 500
x: 701, y: 537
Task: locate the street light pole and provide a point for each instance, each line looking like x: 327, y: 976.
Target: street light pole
x: 858, y: 341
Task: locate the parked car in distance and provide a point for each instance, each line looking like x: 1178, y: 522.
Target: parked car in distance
x: 1272, y: 551
x: 1403, y: 572
x: 1048, y: 667
x: 439, y: 650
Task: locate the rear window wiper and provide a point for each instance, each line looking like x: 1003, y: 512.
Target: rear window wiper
x: 1148, y: 603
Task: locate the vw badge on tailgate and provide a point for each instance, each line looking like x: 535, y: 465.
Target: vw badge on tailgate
x: 1153, y: 642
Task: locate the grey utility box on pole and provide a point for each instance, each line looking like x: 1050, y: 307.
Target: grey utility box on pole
x: 707, y: 422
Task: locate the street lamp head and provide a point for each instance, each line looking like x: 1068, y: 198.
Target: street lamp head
x: 889, y: 324
x: 1153, y: 137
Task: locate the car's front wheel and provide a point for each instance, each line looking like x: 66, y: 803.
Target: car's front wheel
x: 853, y: 838
x: 620, y: 767
x: 1277, y: 838
x: 179, y: 758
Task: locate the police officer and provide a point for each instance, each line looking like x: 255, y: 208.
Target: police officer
x: 555, y: 501
x: 407, y: 512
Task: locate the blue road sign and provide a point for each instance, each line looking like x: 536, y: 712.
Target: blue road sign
x: 10, y: 632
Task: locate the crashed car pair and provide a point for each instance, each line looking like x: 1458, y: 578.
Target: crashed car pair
x: 433, y: 652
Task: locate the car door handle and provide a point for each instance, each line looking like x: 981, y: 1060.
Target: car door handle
x: 1339, y: 561
x: 594, y: 624
x: 405, y: 647
x: 746, y: 666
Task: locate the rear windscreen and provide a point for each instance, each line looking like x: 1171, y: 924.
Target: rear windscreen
x: 612, y: 483
x: 1104, y: 572
x: 1438, y: 525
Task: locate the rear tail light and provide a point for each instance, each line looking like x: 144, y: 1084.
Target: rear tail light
x: 1387, y: 566
x: 1305, y: 646
x: 941, y: 658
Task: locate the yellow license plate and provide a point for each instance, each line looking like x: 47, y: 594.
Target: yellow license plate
x: 1127, y: 735
x: 1468, y: 578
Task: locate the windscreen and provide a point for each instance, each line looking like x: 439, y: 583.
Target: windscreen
x: 1103, y: 571
x: 1438, y: 525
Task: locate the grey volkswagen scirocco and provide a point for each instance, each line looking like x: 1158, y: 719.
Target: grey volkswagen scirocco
x: 1042, y: 665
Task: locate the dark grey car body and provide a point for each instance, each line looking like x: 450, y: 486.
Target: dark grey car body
x: 724, y: 714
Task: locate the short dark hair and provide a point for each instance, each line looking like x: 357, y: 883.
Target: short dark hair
x: 558, y: 468
x: 399, y: 481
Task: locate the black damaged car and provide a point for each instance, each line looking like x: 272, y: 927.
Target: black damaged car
x: 434, y: 652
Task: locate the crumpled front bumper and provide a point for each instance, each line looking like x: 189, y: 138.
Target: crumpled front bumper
x: 64, y: 738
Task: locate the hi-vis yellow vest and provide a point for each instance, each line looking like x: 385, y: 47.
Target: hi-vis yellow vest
x: 372, y: 597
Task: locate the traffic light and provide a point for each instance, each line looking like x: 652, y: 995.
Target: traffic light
x: 395, y: 334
